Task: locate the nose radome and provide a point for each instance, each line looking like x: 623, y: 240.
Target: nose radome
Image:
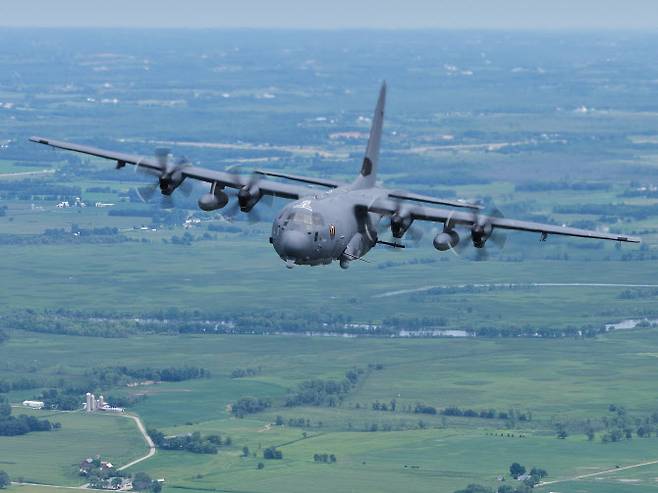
x: 294, y: 244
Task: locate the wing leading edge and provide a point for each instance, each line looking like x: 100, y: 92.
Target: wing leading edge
x: 468, y: 219
x: 284, y: 190
x: 432, y: 200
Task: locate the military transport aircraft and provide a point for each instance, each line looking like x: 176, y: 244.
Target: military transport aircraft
x: 339, y: 222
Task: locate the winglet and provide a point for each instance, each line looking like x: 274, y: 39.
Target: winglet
x: 368, y: 175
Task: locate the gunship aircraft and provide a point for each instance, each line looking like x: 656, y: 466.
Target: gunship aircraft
x: 339, y: 221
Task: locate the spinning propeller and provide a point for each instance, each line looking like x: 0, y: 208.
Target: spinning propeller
x: 481, y: 233
x: 246, y: 198
x: 398, y: 224
x: 167, y: 179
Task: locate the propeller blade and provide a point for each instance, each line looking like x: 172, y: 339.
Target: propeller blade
x: 186, y: 188
x: 415, y: 234
x: 253, y: 216
x: 268, y: 200
x: 481, y: 254
x: 143, y: 170
x: 146, y: 192
x: 462, y: 247
x: 498, y: 238
x: 234, y: 168
x: 167, y: 202
x: 385, y: 236
x: 384, y: 225
x: 231, y: 210
x: 162, y: 156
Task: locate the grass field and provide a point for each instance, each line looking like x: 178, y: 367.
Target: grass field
x: 556, y: 380
x: 54, y: 457
x: 113, y: 278
x: 411, y: 461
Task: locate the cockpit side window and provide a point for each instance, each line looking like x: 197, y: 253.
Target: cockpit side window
x: 317, y: 219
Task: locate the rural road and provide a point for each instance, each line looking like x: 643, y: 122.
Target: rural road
x: 27, y: 173
x: 147, y: 439
x: 83, y: 487
x: 514, y: 285
x: 594, y: 474
x: 152, y: 451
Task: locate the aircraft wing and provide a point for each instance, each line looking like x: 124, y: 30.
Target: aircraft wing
x: 120, y: 157
x: 468, y: 219
x: 304, y: 179
x: 277, y: 189
x: 284, y: 190
x: 432, y: 200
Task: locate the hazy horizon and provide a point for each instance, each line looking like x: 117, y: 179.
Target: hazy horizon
x: 337, y: 15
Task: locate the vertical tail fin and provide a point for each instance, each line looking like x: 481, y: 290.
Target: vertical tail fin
x: 368, y: 175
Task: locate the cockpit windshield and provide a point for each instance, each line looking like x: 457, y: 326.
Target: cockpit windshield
x: 303, y: 219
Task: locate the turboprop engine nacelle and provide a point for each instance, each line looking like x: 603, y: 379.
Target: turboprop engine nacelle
x: 446, y: 240
x: 170, y: 182
x: 248, y: 197
x: 212, y: 201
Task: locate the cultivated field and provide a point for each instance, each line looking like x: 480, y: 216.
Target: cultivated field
x: 568, y: 381
x: 54, y: 457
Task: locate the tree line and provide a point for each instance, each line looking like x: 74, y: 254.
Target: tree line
x: 173, y: 321
x: 4, y: 480
x: 319, y: 392
x: 316, y: 392
x: 324, y: 458
x: 272, y: 453
x: 66, y: 399
x: 621, y: 425
x: 22, y: 424
x: 37, y: 190
x: 543, y: 186
x: 191, y: 442
x: 20, y: 384
x: 116, y: 375
x: 245, y: 372
x: 486, y: 414
x: 249, y: 405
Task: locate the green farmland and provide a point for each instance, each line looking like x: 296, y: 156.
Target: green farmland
x: 567, y: 381
x: 345, y: 373
x: 55, y: 458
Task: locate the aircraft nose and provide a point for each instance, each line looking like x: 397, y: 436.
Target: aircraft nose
x: 293, y: 245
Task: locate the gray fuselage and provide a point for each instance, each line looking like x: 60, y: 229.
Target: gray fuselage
x: 326, y: 226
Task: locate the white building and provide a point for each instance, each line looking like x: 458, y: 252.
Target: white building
x: 92, y: 404
x: 34, y: 404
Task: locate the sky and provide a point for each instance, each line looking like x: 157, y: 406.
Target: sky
x: 334, y: 14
